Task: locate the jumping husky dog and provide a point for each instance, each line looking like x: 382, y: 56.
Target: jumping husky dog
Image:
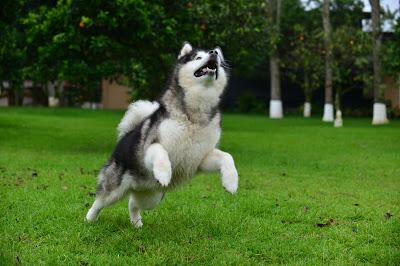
x: 164, y: 143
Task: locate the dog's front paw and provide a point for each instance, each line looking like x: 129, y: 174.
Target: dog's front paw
x: 230, y: 181
x: 162, y: 172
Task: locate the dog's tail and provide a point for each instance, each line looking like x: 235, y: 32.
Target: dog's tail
x: 136, y: 113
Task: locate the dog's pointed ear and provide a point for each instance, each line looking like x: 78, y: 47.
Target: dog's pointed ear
x: 218, y: 49
x: 187, y: 48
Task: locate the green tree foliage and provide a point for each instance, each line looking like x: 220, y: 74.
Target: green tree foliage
x: 304, y: 62
x: 12, y: 49
x: 352, y: 66
x: 303, y: 59
x: 136, y: 41
x: 352, y: 61
x: 85, y: 41
x: 352, y: 47
x: 239, y: 27
x: 391, y: 54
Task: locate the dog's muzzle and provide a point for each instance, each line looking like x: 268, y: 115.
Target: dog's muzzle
x: 210, y: 68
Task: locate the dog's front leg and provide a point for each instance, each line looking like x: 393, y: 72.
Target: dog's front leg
x: 222, y: 161
x: 156, y: 160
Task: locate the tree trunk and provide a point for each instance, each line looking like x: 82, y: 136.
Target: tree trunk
x: 16, y: 93
x: 307, y: 94
x: 61, y: 93
x: 338, y: 119
x: 17, y: 97
x: 328, y: 107
x: 379, y: 111
x: 11, y: 97
x: 275, y: 105
x: 275, y: 78
x: 51, y: 89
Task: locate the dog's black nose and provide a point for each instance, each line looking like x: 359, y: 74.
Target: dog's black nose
x: 213, y: 52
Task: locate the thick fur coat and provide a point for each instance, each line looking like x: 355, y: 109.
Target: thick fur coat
x: 162, y: 144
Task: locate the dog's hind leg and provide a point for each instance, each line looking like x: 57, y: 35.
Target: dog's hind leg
x: 108, y: 194
x: 142, y: 201
x: 134, y: 212
x: 156, y: 160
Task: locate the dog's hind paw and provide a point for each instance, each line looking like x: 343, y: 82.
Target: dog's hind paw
x: 137, y: 223
x: 91, y: 216
x: 162, y: 172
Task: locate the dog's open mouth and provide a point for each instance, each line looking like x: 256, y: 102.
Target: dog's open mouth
x: 210, y: 68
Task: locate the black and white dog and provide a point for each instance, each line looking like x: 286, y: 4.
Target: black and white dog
x: 164, y: 143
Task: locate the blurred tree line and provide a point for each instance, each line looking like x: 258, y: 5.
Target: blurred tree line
x: 135, y: 42
x: 85, y: 41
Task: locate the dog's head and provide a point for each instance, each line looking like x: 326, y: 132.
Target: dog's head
x: 202, y: 70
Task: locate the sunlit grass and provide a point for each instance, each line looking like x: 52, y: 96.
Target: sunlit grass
x: 309, y: 194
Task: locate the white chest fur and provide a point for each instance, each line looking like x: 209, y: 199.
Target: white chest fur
x: 187, y: 144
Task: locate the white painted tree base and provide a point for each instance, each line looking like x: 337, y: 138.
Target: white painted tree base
x: 275, y: 109
x: 307, y: 109
x: 328, y: 113
x: 53, y: 101
x: 338, y: 120
x: 92, y: 105
x: 379, y: 115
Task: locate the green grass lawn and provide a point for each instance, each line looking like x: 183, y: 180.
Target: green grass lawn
x: 308, y: 194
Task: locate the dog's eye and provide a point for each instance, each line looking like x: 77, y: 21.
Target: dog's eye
x: 198, y: 58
